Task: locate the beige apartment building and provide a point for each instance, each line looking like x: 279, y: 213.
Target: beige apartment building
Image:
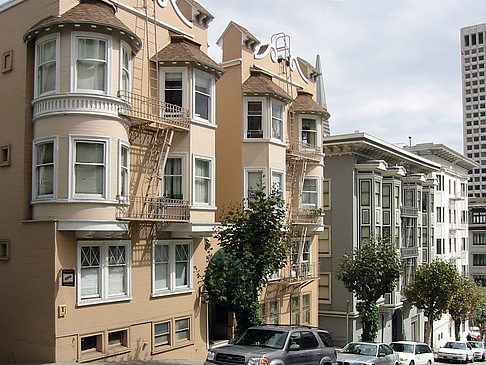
x: 270, y: 129
x: 108, y: 179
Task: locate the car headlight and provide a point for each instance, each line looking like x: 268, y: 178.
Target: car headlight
x: 257, y: 361
x: 211, y: 356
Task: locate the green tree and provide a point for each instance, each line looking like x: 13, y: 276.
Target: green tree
x: 478, y: 317
x: 432, y: 290
x: 253, y: 245
x: 463, y: 303
x: 370, y: 272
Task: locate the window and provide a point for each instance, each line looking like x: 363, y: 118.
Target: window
x: 91, y: 63
x: 103, y: 271
x: 273, y: 312
x: 254, y: 118
x: 172, y: 266
x: 326, y: 193
x: 44, y: 168
x: 203, y: 96
x: 365, y: 192
x: 310, y: 193
x: 306, y: 309
x: 277, y: 120
x: 173, y: 178
x: 278, y: 182
x: 4, y: 249
x: 295, y: 310
x: 300, y: 259
x: 386, y: 197
x: 7, y: 61
x: 123, y: 169
x: 46, y: 60
x: 254, y: 180
x: 309, y: 131
x: 91, y: 345
x: 174, y: 81
x: 5, y: 155
x: 117, y: 339
x: 203, y: 181
x: 409, y: 200
x: 479, y: 238
x: 377, y: 194
x: 479, y: 259
x: 90, y: 176
x: 325, y: 242
x: 125, y: 67
x: 478, y: 217
x: 162, y: 334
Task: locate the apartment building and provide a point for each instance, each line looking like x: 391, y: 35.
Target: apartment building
x: 270, y: 129
x: 108, y: 179
x: 376, y: 190
x: 450, y: 233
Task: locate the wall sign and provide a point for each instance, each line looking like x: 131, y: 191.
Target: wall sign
x: 67, y: 277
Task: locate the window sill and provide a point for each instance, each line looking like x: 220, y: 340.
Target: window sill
x: 203, y: 207
x: 174, y: 347
x: 204, y: 123
x: 166, y: 293
x: 86, y: 302
x: 96, y: 355
x: 265, y: 140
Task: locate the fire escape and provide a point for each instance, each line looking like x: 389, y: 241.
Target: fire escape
x: 152, y: 124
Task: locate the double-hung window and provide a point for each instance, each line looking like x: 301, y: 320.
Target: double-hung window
x: 90, y: 165
x: 309, y: 132
x: 172, y: 263
x: 255, y: 120
x: 277, y: 121
x: 310, y: 193
x: 278, y: 182
x: 301, y: 257
x: 203, y: 96
x: 125, y: 67
x: 173, y: 178
x: 124, y: 169
x: 103, y: 271
x: 254, y: 181
x: 174, y: 86
x: 203, y: 189
x: 46, y: 59
x: 44, y: 168
x: 91, y: 63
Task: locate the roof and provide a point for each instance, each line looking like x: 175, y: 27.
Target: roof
x: 260, y: 83
x: 250, y: 38
x: 201, y: 9
x: 182, y: 49
x: 304, y: 103
x: 89, y: 12
x: 446, y: 153
x: 314, y: 72
x: 365, y: 145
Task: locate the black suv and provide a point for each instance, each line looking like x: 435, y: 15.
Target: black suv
x: 277, y: 344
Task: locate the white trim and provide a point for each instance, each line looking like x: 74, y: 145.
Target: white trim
x: 121, y: 144
x: 263, y: 170
x: 263, y: 100
x: 233, y: 62
x: 38, y: 43
x: 212, y: 175
x: 185, y: 83
x: 53, y: 196
x: 104, y: 297
x: 72, y: 181
x: 74, y: 57
x: 184, y: 170
x: 95, y: 226
x: 180, y: 15
x: 212, y: 96
x: 284, y: 124
x: 162, y: 3
x: 171, y: 280
x: 318, y: 192
x: 125, y: 46
x: 283, y: 186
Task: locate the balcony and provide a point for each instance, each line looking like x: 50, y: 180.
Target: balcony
x: 153, y: 209
x: 306, y: 216
x: 145, y: 110
x: 294, y: 273
x: 409, y: 212
x: 301, y: 150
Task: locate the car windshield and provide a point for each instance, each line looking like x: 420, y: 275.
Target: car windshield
x: 360, y: 349
x: 402, y: 347
x: 477, y: 345
x: 455, y: 345
x: 262, y: 338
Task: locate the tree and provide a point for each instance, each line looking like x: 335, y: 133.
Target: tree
x: 253, y: 245
x: 370, y: 272
x: 463, y: 303
x: 478, y: 318
x: 432, y: 290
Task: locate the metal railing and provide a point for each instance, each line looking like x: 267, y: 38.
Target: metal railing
x: 157, y: 209
x: 304, y: 150
x: 300, y: 271
x: 143, y: 109
x: 305, y: 216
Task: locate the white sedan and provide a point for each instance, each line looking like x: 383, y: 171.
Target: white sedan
x: 413, y: 353
x: 456, y: 351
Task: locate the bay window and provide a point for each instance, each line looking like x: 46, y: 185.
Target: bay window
x: 44, y: 168
x: 172, y: 266
x: 255, y: 120
x: 310, y: 193
x: 203, y: 184
x: 278, y: 182
x: 173, y: 178
x: 91, y: 63
x: 103, y: 271
x: 254, y: 181
x: 46, y: 59
x: 125, y: 67
x: 203, y: 96
x: 174, y: 85
x: 124, y: 169
x: 277, y: 120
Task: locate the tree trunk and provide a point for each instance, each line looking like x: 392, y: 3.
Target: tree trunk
x: 428, y: 329
x: 369, y: 320
x: 457, y: 329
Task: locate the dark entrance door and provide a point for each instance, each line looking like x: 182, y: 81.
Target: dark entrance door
x: 397, y: 325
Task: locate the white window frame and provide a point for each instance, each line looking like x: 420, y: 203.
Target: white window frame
x: 272, y: 102
x: 318, y: 193
x: 38, y: 43
x: 35, y: 192
x: 263, y: 170
x: 72, y: 179
x: 264, y: 117
x: 317, y: 130
x: 283, y: 186
x: 172, y: 288
x: 212, y: 94
x: 183, y: 71
x: 183, y: 157
x: 74, y: 57
x: 104, y: 277
x: 212, y: 168
x: 123, y: 144
x: 125, y: 47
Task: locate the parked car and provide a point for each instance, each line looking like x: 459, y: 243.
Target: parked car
x: 277, y: 344
x: 456, y: 351
x: 413, y: 353
x: 361, y: 353
x: 479, y: 350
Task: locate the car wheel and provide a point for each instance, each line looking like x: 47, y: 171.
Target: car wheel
x: 429, y: 362
x: 482, y: 357
x: 412, y: 363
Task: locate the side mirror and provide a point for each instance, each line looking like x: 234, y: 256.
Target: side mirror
x: 294, y: 347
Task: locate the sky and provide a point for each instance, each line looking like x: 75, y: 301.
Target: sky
x: 391, y: 68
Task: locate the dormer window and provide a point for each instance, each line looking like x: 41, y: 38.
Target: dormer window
x: 46, y: 65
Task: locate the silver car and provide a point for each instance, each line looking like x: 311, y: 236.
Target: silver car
x: 360, y: 353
